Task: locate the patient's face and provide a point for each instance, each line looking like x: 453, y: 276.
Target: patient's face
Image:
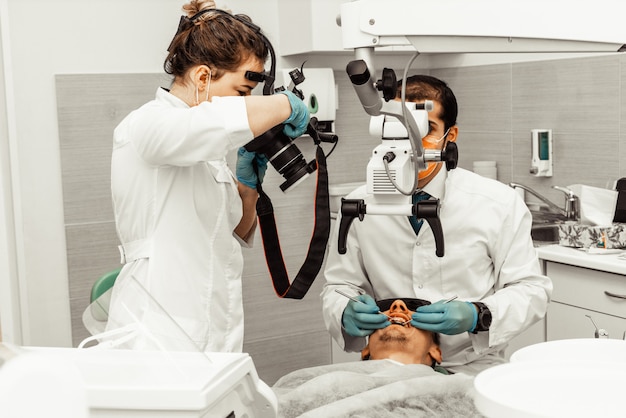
x: 400, y: 341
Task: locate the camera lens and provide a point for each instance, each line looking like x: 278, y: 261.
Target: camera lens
x: 284, y: 156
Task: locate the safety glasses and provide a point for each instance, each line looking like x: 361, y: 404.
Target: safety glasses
x: 411, y: 304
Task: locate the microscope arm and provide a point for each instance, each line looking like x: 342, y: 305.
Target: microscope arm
x: 425, y: 209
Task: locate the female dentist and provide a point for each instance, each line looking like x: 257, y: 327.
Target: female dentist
x: 181, y: 215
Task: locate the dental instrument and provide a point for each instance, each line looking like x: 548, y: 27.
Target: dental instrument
x: 352, y: 298
x: 450, y: 299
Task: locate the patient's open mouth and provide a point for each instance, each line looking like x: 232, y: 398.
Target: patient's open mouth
x: 399, y: 320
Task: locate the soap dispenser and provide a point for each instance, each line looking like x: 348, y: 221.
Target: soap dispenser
x: 541, y: 152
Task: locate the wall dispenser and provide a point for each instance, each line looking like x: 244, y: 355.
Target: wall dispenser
x: 541, y: 152
x: 320, y: 94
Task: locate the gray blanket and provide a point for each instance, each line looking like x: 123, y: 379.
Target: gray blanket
x: 375, y: 388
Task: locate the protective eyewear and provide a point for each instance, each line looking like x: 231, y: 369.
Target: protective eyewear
x: 411, y: 303
x: 433, y: 140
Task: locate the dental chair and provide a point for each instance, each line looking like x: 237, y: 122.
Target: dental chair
x: 103, y: 284
x: 97, y: 313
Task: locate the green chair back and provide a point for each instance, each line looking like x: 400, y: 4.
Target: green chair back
x: 104, y: 283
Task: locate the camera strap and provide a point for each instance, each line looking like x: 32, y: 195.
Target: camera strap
x: 317, y: 246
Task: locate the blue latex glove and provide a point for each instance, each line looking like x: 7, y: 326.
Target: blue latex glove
x: 449, y: 318
x: 245, y: 167
x: 297, y: 122
x: 362, y: 319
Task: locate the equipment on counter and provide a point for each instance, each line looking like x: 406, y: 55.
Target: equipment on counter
x: 469, y: 27
x: 127, y: 383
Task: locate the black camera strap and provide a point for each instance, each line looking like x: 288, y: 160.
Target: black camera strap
x: 317, y: 246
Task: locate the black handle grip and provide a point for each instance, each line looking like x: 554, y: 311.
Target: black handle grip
x: 350, y: 209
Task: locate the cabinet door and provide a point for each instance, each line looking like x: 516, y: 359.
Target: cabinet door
x: 585, y: 288
x: 565, y: 321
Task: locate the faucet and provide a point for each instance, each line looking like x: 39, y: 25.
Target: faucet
x: 571, y: 208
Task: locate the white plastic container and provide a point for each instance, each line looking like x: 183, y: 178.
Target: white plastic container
x: 486, y: 169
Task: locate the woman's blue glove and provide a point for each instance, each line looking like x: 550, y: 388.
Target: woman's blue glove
x: 449, y: 318
x: 245, y: 167
x: 297, y: 122
x: 362, y: 319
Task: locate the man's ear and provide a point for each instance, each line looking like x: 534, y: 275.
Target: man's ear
x: 435, y: 353
x: 452, y: 135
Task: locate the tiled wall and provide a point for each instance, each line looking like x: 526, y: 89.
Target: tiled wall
x: 579, y: 99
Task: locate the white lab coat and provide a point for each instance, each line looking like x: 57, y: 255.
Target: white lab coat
x: 489, y: 257
x: 176, y: 205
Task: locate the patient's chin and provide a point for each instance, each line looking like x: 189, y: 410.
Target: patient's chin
x: 394, y: 334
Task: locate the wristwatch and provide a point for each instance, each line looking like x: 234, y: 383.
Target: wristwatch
x: 484, y: 318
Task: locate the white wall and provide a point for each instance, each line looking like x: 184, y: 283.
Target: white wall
x: 41, y: 38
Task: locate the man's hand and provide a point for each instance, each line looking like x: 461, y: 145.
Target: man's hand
x: 446, y: 318
x: 362, y: 319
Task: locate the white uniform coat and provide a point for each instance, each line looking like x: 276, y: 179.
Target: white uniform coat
x: 489, y: 257
x: 176, y: 205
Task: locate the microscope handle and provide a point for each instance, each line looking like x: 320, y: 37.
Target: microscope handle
x: 435, y: 226
x: 350, y: 209
x: 429, y: 210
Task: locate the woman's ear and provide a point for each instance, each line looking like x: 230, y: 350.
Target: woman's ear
x: 203, y: 77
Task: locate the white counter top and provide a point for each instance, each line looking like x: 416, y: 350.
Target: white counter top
x: 578, y: 257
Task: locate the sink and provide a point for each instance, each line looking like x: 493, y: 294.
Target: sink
x: 545, y: 227
x: 545, y: 233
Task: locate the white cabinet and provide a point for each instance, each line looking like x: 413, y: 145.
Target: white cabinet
x: 308, y: 26
x: 582, y: 291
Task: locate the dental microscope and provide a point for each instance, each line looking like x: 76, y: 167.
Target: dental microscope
x: 367, y: 25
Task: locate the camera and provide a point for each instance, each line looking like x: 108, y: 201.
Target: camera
x: 284, y: 156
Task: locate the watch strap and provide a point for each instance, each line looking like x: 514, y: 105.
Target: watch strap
x: 484, y: 318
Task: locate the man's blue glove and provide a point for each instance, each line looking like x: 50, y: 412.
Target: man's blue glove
x: 362, y: 319
x: 449, y: 318
x: 245, y: 167
x: 297, y: 122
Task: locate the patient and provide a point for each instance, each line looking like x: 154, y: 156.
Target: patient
x: 401, y: 378
x: 400, y: 341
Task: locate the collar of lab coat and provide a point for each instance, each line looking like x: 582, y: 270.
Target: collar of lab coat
x: 436, y: 187
x: 163, y: 94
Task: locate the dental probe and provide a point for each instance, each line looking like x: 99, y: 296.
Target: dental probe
x: 353, y: 299
x: 451, y: 299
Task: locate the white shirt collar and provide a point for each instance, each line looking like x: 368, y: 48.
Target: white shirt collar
x: 163, y: 94
x: 436, y: 187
